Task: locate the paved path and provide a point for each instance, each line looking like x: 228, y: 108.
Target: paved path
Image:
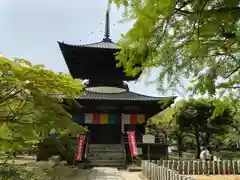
x: 104, y: 173
x: 130, y: 175
x: 80, y: 174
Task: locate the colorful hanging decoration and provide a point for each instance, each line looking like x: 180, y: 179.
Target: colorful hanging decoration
x: 88, y: 118
x: 126, y: 118
x: 112, y: 119
x: 140, y: 118
x: 103, y: 118
x: 96, y: 118
x: 133, y: 119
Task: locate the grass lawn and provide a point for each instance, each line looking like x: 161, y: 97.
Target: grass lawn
x: 218, y: 177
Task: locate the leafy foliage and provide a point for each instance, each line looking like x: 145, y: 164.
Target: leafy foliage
x: 200, y: 118
x: 197, y: 40
x: 36, y: 171
x: 232, y: 138
x: 29, y: 108
x: 63, y: 146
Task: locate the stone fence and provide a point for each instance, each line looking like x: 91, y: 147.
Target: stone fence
x: 154, y: 171
x: 199, y: 167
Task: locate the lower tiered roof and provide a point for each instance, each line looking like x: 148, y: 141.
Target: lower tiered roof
x: 125, y: 96
x: 122, y: 96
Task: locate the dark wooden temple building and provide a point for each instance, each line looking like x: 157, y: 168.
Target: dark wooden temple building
x: 108, y: 108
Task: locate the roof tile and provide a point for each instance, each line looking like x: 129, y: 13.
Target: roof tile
x: 123, y: 96
x: 102, y: 44
x: 127, y: 95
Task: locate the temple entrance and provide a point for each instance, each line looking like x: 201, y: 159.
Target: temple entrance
x: 105, y: 133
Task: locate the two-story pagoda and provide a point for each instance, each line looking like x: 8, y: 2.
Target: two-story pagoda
x: 108, y: 108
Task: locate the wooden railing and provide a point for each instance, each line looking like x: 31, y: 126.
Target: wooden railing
x: 153, y: 171
x: 199, y: 167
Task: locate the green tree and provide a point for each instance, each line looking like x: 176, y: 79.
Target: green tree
x: 197, y: 40
x: 202, y: 118
x: 166, y: 119
x: 221, y: 120
x: 31, y: 103
x: 232, y: 138
x: 193, y: 118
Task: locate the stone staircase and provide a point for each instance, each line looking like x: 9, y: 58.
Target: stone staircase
x: 106, y: 155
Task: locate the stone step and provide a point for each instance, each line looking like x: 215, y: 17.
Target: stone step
x: 107, y: 155
x: 107, y: 150
x: 104, y: 154
x: 105, y: 158
x: 119, y: 166
x: 106, y: 162
x: 105, y: 145
x: 101, y: 160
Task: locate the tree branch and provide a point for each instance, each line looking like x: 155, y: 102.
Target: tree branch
x: 13, y: 122
x: 220, y: 10
x: 7, y: 94
x: 233, y: 87
x: 235, y: 70
x: 10, y: 96
x: 5, y: 161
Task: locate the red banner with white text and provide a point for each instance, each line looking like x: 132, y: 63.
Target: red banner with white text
x: 132, y: 143
x: 80, y: 147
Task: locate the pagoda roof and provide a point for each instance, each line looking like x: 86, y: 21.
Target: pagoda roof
x: 97, y: 45
x: 101, y: 45
x: 95, y: 60
x: 122, y: 96
x: 126, y: 95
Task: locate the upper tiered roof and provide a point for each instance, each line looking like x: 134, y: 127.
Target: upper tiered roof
x: 95, y: 60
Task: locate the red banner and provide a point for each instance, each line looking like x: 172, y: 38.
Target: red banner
x: 132, y: 143
x: 80, y: 147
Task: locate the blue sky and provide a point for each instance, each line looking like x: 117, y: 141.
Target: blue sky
x: 30, y: 29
